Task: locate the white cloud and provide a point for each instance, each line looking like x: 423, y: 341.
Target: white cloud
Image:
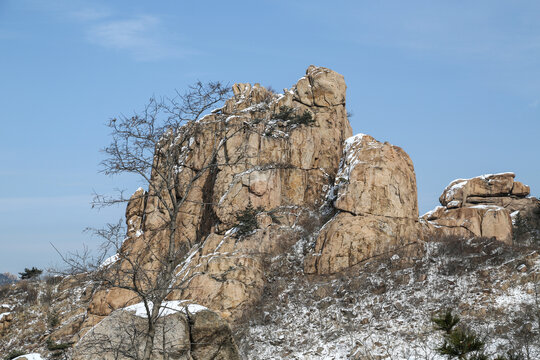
x: 90, y: 14
x: 144, y: 37
x: 141, y: 36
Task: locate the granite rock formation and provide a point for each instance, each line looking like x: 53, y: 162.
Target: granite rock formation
x: 375, y: 195
x: 480, y: 206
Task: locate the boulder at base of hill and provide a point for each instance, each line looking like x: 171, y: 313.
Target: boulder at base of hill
x: 183, y: 332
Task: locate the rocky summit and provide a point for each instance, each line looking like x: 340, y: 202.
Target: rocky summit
x: 301, y: 241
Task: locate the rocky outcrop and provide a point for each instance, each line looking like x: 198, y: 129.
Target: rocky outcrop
x: 183, y: 332
x: 268, y: 159
x: 376, y: 198
x: 480, y: 206
x: 6, y: 316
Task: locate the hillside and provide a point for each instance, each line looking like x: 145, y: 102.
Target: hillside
x: 269, y: 231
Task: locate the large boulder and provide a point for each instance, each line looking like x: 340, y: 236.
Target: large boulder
x: 377, y: 203
x: 458, y: 191
x: 376, y: 178
x: 473, y: 221
x: 480, y: 207
x: 183, y: 332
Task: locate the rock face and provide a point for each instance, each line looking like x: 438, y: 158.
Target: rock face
x: 480, y: 206
x: 283, y: 158
x: 377, y: 203
x: 268, y: 159
x: 191, y: 333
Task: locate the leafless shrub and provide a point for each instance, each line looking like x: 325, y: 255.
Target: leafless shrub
x: 5, y: 290
x: 48, y: 296
x: 31, y: 296
x: 155, y: 145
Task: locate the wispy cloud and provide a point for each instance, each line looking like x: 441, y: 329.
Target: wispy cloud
x: 141, y: 36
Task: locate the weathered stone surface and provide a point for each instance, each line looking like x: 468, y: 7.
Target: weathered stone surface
x: 321, y: 87
x: 483, y: 186
x: 376, y: 190
x: 227, y: 274
x: 269, y: 162
x: 347, y: 240
x: 477, y: 220
x: 5, y: 320
x: 106, y: 301
x: 122, y: 332
x: 376, y: 178
x: 480, y: 206
x: 520, y: 189
x: 211, y: 337
x: 182, y: 335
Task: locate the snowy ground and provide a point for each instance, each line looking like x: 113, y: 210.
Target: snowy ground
x: 382, y: 310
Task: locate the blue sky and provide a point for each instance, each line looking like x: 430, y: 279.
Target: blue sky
x: 455, y: 83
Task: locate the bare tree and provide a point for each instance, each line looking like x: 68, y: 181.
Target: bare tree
x: 157, y: 146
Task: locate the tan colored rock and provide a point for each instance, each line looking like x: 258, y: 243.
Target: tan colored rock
x: 477, y: 220
x: 321, y: 87
x: 264, y: 220
x: 520, y: 189
x: 498, y: 224
x: 270, y: 163
x: 376, y: 189
x: 376, y: 178
x: 484, y: 186
x: 106, y: 301
x: 480, y: 206
x: 212, y: 338
x: 227, y: 274
x: 347, y: 240
x: 5, y: 320
x: 188, y: 332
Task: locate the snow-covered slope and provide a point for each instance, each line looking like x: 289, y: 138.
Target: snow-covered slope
x: 382, y: 310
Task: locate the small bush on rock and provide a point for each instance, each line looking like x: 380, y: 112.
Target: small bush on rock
x: 31, y: 295
x: 526, y: 229
x: 52, y: 346
x: 287, y: 114
x: 53, y: 319
x: 445, y: 321
x: 247, y: 219
x: 459, y: 342
x: 30, y: 273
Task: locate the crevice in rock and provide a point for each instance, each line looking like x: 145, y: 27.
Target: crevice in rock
x: 143, y: 216
x: 190, y: 332
x: 378, y: 215
x: 208, y: 216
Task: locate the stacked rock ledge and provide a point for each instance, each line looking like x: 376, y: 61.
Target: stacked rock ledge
x: 479, y: 207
